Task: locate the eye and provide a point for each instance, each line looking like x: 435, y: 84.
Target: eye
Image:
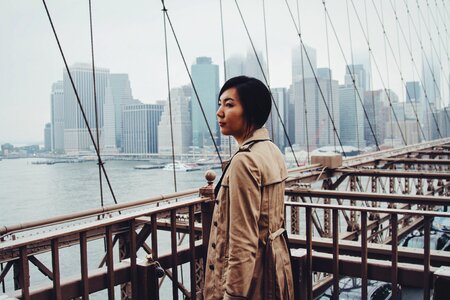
x: 228, y: 104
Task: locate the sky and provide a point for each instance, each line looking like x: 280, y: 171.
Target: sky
x: 129, y: 38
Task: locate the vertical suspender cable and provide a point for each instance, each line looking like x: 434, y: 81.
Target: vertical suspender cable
x: 353, y: 70
x: 387, y: 75
x: 78, y: 99
x: 330, y: 88
x: 99, y: 161
x: 433, y: 47
x: 303, y: 85
x: 421, y: 81
x: 372, y: 94
x: 349, y: 71
x: 376, y: 65
x: 169, y: 98
x: 265, y: 79
x: 315, y: 77
x: 267, y: 62
x: 192, y: 81
x: 224, y: 63
x: 403, y: 87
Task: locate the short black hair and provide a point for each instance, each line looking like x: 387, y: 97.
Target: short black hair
x: 255, y: 98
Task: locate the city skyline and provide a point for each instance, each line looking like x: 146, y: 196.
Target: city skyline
x: 129, y: 39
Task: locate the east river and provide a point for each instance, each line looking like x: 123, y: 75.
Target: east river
x: 31, y: 192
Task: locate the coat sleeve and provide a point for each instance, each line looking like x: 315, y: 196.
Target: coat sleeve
x: 245, y: 204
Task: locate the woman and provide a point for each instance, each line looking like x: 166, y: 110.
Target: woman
x: 249, y: 206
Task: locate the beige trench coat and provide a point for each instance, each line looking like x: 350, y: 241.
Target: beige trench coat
x: 240, y: 225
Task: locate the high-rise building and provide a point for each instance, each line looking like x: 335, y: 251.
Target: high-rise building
x: 380, y: 116
x: 358, y: 73
x: 234, y: 66
x: 301, y: 67
x: 48, y: 137
x: 57, y: 117
x: 249, y: 65
x: 181, y: 122
x: 431, y: 81
x: 140, y: 127
x: 76, y: 135
x: 205, y: 76
x: 273, y: 124
x: 109, y: 124
x: 320, y: 129
x: 254, y: 66
x: 351, y: 99
x: 413, y: 91
x: 122, y: 95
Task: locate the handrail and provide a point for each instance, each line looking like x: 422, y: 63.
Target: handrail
x: 428, y: 213
x: 93, y: 212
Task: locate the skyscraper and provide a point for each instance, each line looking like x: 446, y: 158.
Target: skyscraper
x: 140, y: 127
x: 380, y: 116
x: 181, y: 122
x: 320, y: 127
x: 234, y: 66
x: 351, y: 99
x: 300, y: 64
x: 48, y: 137
x: 273, y: 124
x: 205, y: 76
x: 76, y: 136
x: 57, y: 117
x: 253, y: 66
x: 122, y: 95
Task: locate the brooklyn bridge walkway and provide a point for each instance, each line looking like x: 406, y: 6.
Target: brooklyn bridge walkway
x: 344, y: 218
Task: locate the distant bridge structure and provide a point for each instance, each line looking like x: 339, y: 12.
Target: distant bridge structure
x: 342, y: 220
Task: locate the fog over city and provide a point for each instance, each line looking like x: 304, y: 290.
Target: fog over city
x: 129, y: 38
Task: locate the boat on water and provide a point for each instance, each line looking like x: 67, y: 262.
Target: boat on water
x: 181, y: 167
x: 148, y: 167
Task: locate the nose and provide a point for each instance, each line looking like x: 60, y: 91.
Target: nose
x: 219, y: 112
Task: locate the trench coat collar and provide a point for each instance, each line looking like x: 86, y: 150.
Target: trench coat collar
x: 260, y: 134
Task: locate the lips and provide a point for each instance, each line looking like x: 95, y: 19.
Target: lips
x: 221, y: 124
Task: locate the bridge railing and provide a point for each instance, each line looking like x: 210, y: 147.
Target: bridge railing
x: 128, y: 232
x: 360, y: 258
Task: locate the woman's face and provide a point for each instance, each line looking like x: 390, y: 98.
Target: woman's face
x: 230, y: 115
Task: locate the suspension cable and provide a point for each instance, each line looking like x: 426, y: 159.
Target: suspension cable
x: 387, y: 76
x: 96, y: 148
x: 393, y: 55
x: 303, y: 85
x: 429, y: 34
x: 224, y: 63
x: 403, y: 89
x: 330, y: 89
x: 353, y: 70
x: 412, y: 59
x: 353, y: 78
x: 316, y: 79
x: 169, y: 99
x: 192, y: 81
x: 267, y: 83
x: 372, y: 94
x: 439, y: 61
x: 99, y: 161
x: 378, y: 70
x: 267, y: 66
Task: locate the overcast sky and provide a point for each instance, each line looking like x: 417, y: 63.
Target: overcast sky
x: 129, y: 38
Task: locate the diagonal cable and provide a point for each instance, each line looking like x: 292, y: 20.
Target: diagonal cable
x: 78, y: 100
x: 192, y: 81
x: 267, y: 83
